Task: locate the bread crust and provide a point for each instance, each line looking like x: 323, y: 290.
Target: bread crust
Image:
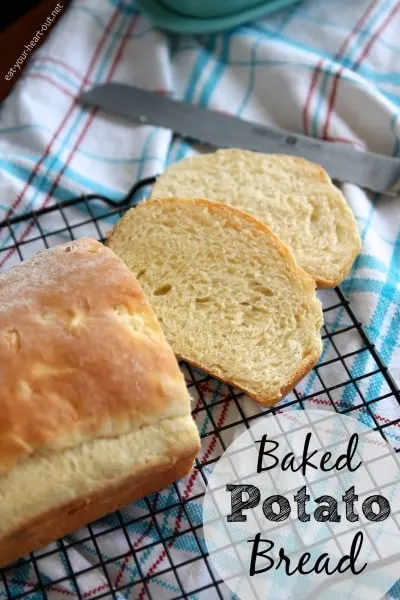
x: 69, y: 517
x: 78, y: 337
x: 95, y: 412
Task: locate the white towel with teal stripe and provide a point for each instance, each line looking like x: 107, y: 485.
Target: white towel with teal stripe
x: 327, y: 69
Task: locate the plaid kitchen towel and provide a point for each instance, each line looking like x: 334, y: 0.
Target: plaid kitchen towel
x: 325, y: 68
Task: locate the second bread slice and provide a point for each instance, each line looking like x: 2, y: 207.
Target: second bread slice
x: 294, y: 197
x: 228, y: 293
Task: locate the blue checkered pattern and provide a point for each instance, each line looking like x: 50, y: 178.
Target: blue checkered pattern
x: 329, y: 69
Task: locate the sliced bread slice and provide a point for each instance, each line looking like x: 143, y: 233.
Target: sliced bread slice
x: 294, y: 197
x: 227, y: 291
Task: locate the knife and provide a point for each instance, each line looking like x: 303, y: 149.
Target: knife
x: 346, y: 164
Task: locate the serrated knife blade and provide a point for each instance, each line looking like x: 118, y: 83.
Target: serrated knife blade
x: 343, y: 163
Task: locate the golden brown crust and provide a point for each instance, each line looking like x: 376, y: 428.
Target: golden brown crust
x: 65, y: 519
x: 82, y: 355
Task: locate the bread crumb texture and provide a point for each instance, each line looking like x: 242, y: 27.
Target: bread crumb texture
x: 294, y: 197
x: 226, y: 290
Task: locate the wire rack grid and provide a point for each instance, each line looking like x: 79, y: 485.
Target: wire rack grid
x: 155, y: 548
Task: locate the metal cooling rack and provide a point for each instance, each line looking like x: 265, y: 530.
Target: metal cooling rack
x: 147, y: 561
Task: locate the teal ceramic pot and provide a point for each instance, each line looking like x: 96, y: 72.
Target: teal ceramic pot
x: 207, y: 16
x: 207, y: 9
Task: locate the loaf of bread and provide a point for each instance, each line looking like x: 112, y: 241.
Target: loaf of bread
x: 94, y: 411
x: 227, y: 291
x: 293, y: 196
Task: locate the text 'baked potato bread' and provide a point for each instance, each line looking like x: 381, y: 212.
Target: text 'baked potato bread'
x: 94, y: 409
x: 294, y: 197
x: 227, y: 291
